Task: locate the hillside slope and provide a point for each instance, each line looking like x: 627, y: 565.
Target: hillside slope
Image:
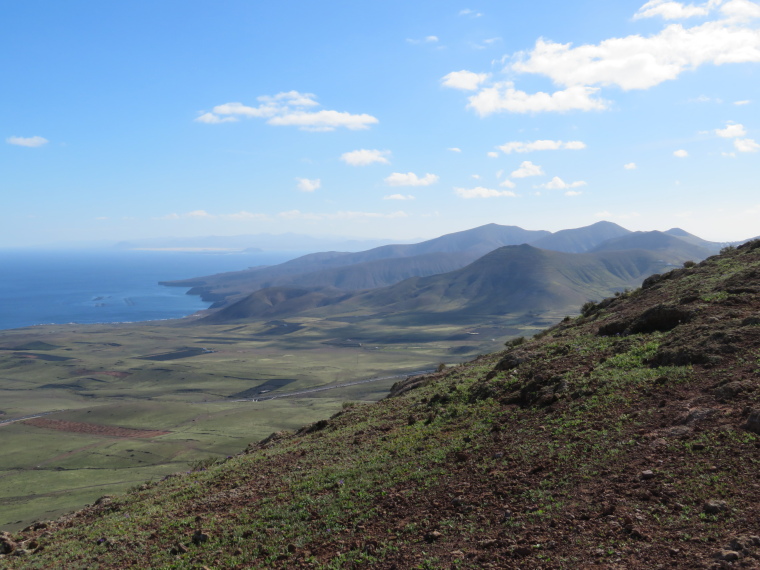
x: 624, y: 438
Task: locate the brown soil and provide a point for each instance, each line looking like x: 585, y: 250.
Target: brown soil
x: 93, y: 429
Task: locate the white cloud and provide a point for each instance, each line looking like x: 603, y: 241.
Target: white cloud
x: 507, y: 184
x: 455, y: 149
x: 211, y: 119
x: 471, y: 13
x: 289, y: 108
x: 681, y: 153
x: 410, y: 179
x: 638, y: 62
x: 308, y: 185
x: 573, y: 193
x: 741, y: 9
x: 30, y: 142
x: 475, y: 176
x: 557, y: 183
x: 504, y: 97
x: 425, y: 40
x: 493, y: 154
x: 399, y: 197
x: 743, y: 102
x: 731, y: 131
x: 746, y: 145
x: 630, y: 166
x: 366, y: 157
x: 510, y: 147
x: 527, y: 169
x: 199, y: 214
x: 671, y: 10
x: 324, y: 120
x: 465, y: 80
x: 481, y: 192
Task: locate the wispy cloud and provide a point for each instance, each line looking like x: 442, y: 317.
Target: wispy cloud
x: 527, y: 169
x: 364, y: 157
x: 425, y: 40
x: 503, y: 96
x: 470, y: 13
x: 631, y: 62
x: 30, y: 142
x: 309, y: 185
x: 510, y: 147
x: 399, y: 197
x: 630, y: 166
x: 681, y: 153
x: 464, y: 80
x: 481, y: 192
x: 410, y: 179
x: 289, y: 108
x: 732, y: 130
x: 746, y: 145
x: 557, y: 183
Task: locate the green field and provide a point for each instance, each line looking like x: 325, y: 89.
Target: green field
x: 188, y: 380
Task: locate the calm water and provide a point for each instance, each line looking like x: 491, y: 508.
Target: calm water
x: 44, y: 287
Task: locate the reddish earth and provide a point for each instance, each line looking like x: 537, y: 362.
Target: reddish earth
x: 93, y: 429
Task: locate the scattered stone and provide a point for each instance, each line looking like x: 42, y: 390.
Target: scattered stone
x: 753, y: 421
x: 433, y: 536
x: 178, y: 549
x: 732, y: 389
x: 7, y: 545
x: 715, y: 507
x: 744, y: 543
x: 699, y: 414
x: 727, y: 555
x: 648, y: 474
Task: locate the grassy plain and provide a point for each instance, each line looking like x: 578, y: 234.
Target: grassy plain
x: 188, y: 380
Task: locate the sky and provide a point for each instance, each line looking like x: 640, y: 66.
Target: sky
x: 376, y: 118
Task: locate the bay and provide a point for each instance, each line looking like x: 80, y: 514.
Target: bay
x: 100, y: 286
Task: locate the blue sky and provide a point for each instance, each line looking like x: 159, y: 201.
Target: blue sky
x: 373, y: 118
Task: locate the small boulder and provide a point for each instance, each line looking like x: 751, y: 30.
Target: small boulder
x: 753, y: 421
x: 727, y: 555
x: 648, y: 474
x: 715, y: 507
x: 199, y: 537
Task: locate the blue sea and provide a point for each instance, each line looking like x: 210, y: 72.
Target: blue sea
x: 99, y: 286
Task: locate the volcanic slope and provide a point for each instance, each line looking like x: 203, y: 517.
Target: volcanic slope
x: 624, y: 438
x: 511, y: 280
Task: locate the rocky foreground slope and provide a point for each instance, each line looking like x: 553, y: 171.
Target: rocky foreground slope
x: 624, y: 438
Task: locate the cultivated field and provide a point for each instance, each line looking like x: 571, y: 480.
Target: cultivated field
x: 117, y: 405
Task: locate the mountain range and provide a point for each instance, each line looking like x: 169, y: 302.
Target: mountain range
x: 494, y: 268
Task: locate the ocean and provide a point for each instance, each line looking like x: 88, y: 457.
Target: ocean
x: 99, y: 286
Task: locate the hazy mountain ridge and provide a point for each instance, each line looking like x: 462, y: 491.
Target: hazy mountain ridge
x: 402, y: 261
x: 511, y: 279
